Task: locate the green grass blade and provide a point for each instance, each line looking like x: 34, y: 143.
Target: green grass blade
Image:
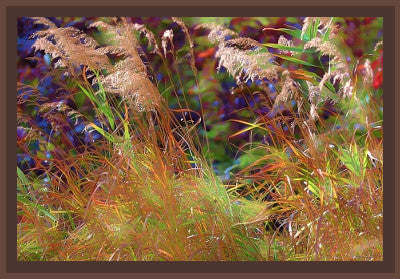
x: 295, y: 60
x: 40, y: 208
x: 104, y: 133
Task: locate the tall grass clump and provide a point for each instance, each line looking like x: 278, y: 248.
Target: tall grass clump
x: 142, y: 192
x: 319, y: 165
x: 123, y: 170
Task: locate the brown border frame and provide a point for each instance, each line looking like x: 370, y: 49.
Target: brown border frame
x: 10, y: 268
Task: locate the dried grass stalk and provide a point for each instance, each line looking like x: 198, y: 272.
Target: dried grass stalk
x: 191, y: 45
x: 290, y: 90
x: 243, y: 58
x: 127, y: 77
x: 70, y: 47
x: 167, y: 36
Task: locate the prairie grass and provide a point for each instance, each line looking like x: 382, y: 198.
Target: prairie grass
x: 139, y: 185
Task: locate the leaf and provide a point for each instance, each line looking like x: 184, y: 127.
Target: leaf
x: 351, y: 159
x: 22, y: 179
x: 295, y: 60
x: 40, y: 208
x: 89, y: 94
x: 313, y: 188
x: 101, y: 104
x: 22, y: 176
x: 251, y: 126
x: 327, y: 33
x: 307, y: 177
x: 105, y: 134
